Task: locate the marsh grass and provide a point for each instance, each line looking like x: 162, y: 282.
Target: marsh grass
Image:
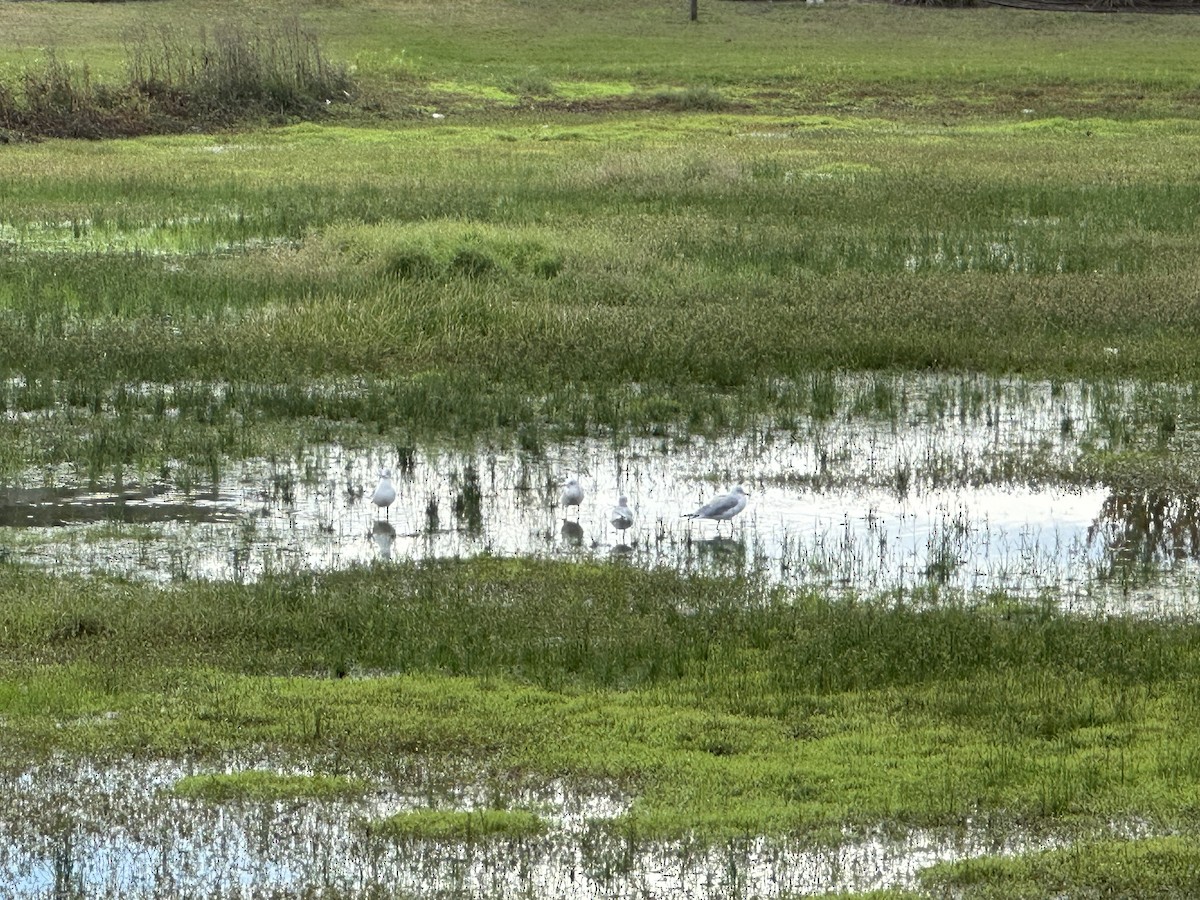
x: 701, y: 97
x: 1162, y: 867
x: 468, y: 500
x: 233, y: 69
x: 227, y: 73
x: 62, y: 99
x: 456, y: 297
x: 781, y: 194
x: 265, y: 786
x: 186, y: 433
x: 729, y: 707
x: 465, y: 826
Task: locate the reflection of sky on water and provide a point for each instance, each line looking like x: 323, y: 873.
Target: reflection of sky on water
x: 81, y: 830
x: 315, y: 514
x: 947, y: 491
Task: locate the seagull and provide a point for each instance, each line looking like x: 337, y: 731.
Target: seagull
x: 385, y: 491
x: 572, y: 494
x: 622, y: 515
x: 722, y: 508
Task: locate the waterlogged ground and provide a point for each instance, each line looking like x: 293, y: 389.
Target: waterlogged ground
x: 75, y: 829
x: 904, y: 482
x: 973, y: 484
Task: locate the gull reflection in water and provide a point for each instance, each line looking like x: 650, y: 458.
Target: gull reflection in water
x: 384, y: 536
x: 572, y: 532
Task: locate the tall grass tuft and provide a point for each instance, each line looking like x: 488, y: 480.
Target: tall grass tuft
x: 699, y: 98
x: 231, y: 69
x: 58, y: 99
x: 229, y: 73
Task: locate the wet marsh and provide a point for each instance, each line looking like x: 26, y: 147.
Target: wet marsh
x: 356, y: 845
x: 689, y: 714
x: 965, y: 486
x: 935, y: 311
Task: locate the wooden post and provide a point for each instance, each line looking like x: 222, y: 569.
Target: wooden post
x: 695, y: 10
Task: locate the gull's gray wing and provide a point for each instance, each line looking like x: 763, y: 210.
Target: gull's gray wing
x: 714, y: 509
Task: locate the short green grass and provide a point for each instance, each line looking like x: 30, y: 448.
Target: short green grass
x: 724, y: 708
x: 844, y: 55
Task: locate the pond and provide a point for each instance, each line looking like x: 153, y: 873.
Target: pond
x: 75, y: 829
x: 965, y: 485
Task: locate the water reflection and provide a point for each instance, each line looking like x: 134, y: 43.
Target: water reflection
x: 853, y: 537
x: 56, y: 507
x: 940, y: 496
x: 572, y: 533
x: 74, y: 829
x: 1145, y: 530
x: 384, y: 536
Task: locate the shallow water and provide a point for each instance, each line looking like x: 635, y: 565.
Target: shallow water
x: 76, y: 829
x: 948, y: 490
x: 59, y: 507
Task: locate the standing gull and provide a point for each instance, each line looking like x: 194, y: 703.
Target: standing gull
x: 385, y: 491
x: 572, y: 495
x: 622, y: 515
x: 722, y: 508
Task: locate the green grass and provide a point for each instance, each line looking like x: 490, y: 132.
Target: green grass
x: 1160, y: 867
x: 508, y: 266
x: 855, y: 56
x: 264, y: 786
x: 464, y: 826
x: 471, y: 279
x: 724, y: 708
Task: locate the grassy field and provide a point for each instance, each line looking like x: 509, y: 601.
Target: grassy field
x: 852, y: 56
x: 726, y: 708
x: 524, y: 221
x: 570, y: 277
x: 668, y: 254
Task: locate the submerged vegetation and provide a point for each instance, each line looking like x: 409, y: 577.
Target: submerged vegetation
x: 477, y: 825
x: 410, y: 224
x: 264, y: 786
